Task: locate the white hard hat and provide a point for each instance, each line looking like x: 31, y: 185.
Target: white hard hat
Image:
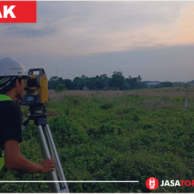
x: 10, y: 67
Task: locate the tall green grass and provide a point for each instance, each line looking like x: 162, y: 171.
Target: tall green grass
x: 120, y: 138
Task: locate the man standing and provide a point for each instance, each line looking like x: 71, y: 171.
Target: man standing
x: 12, y: 75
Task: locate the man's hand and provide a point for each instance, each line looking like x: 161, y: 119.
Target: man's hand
x: 47, y: 165
x: 15, y: 161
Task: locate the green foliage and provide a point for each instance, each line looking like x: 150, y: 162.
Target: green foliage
x: 106, y: 105
x: 166, y: 84
x: 117, y: 79
x: 54, y: 82
x: 120, y: 138
x: 186, y: 85
x: 100, y: 131
x: 102, y: 82
x: 60, y: 88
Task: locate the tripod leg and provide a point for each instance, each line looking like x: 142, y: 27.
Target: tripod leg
x: 54, y: 187
x: 54, y: 152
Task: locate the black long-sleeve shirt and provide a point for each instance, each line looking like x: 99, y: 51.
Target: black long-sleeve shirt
x: 10, y: 122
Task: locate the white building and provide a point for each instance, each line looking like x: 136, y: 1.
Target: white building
x: 153, y: 84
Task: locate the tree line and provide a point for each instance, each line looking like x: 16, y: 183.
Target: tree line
x: 99, y: 82
x: 102, y: 82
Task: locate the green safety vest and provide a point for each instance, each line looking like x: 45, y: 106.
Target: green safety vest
x: 3, y: 98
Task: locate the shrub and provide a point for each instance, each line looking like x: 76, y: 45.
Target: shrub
x: 60, y: 88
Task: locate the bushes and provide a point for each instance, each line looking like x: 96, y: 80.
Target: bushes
x: 60, y: 88
x: 101, y: 131
x: 113, y: 139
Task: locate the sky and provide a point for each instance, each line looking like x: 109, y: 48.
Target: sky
x: 148, y: 38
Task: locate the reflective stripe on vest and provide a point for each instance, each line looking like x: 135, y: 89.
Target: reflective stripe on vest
x: 2, y: 160
x: 3, y: 98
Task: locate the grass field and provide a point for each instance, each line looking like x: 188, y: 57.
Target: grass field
x: 115, y: 135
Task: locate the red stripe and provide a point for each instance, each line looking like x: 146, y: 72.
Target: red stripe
x: 24, y: 11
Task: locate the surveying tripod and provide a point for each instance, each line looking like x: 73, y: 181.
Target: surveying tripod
x: 48, y: 149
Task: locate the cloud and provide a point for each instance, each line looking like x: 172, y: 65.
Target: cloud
x: 29, y: 32
x: 185, y: 24
x: 85, y: 28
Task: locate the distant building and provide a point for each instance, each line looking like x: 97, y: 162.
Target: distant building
x: 153, y: 84
x: 85, y: 88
